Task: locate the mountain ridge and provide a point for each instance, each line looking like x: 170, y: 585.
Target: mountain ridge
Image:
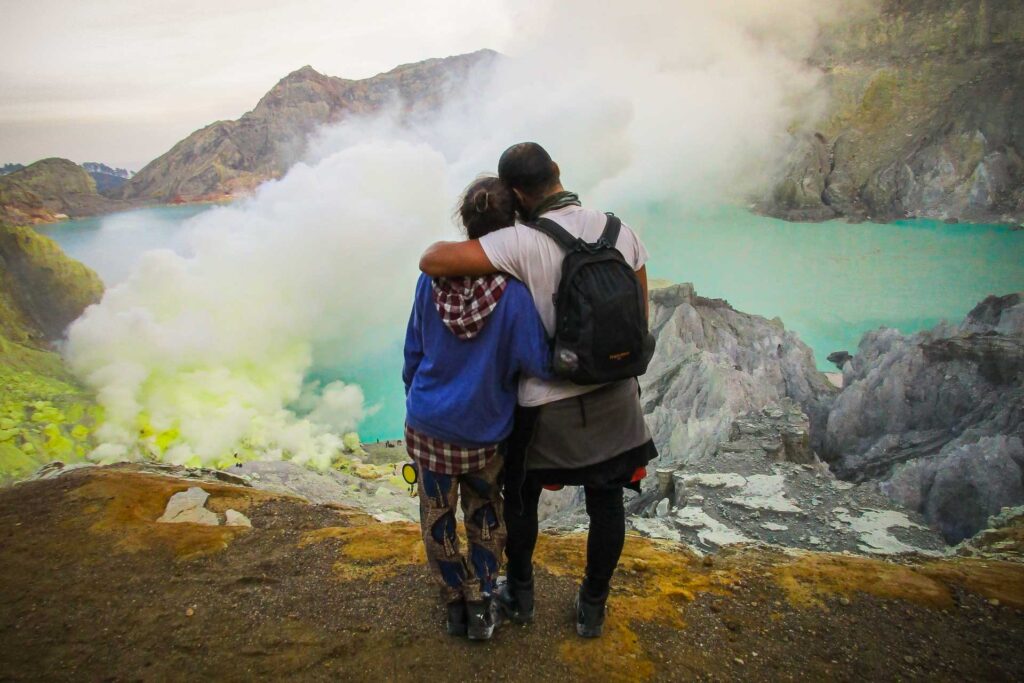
x: 231, y: 157
x: 49, y: 190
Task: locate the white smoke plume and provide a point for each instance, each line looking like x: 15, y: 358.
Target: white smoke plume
x: 202, y: 359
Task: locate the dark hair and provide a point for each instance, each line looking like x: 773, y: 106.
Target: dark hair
x: 528, y: 168
x: 488, y: 204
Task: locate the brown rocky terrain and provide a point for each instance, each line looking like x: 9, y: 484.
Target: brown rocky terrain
x: 232, y: 157
x: 49, y: 190
x: 925, y: 117
x: 95, y: 588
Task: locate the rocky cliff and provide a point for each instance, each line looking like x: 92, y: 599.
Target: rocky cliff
x: 938, y: 417
x: 48, y: 190
x: 229, y: 157
x: 925, y: 117
x: 713, y: 363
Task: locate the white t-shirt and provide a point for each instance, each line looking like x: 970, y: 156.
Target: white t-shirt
x: 536, y: 259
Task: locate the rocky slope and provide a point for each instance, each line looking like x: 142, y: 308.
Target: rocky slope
x: 738, y: 410
x: 229, y: 157
x: 764, y: 484
x: 95, y: 587
x: 49, y: 190
x: 713, y: 363
x: 938, y: 417
x: 925, y: 117
x: 45, y: 414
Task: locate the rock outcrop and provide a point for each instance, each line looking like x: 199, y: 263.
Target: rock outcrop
x: 714, y: 363
x: 231, y: 157
x: 763, y: 484
x: 925, y: 117
x: 938, y: 417
x: 49, y: 190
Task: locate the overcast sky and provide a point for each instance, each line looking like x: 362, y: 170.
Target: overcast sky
x: 120, y: 81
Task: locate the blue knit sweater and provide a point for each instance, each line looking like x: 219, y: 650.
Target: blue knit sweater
x: 463, y: 391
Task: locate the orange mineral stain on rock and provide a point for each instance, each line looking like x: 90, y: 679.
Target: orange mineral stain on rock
x: 369, y: 550
x: 998, y: 580
x: 126, y: 505
x: 654, y: 580
x: 807, y: 579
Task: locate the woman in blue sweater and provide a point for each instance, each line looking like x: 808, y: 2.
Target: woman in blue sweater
x: 468, y: 342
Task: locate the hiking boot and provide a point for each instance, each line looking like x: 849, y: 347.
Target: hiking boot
x: 589, y: 615
x: 457, y: 619
x: 480, y: 618
x: 515, y: 600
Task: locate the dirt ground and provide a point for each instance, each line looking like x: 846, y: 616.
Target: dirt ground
x: 94, y: 589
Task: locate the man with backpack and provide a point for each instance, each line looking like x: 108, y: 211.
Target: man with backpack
x: 586, y: 273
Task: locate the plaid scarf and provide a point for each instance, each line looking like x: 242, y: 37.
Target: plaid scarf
x: 466, y: 302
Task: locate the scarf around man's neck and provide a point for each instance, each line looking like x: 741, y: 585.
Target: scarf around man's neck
x: 558, y: 200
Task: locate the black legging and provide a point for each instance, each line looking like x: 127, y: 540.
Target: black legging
x: 604, y: 540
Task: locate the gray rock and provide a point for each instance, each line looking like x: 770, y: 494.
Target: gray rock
x: 189, y: 507
x: 236, y: 518
x: 712, y: 364
x: 938, y: 417
x: 332, y: 487
x: 839, y: 358
x: 743, y: 493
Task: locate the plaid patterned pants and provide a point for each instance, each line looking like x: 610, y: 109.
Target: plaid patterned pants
x: 469, y: 577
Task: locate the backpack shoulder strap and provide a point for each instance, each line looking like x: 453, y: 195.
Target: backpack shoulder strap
x: 611, y: 230
x: 556, y: 232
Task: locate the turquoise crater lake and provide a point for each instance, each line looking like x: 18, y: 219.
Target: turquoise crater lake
x: 830, y: 282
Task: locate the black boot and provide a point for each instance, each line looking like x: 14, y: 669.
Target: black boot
x: 457, y: 618
x: 589, y: 613
x: 480, y: 618
x: 515, y: 600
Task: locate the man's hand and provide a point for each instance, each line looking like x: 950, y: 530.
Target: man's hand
x: 451, y: 259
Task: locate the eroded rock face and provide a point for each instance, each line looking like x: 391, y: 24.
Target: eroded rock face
x: 714, y: 363
x: 924, y: 117
x: 938, y: 417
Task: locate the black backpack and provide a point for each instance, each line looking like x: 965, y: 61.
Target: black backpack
x: 601, y: 332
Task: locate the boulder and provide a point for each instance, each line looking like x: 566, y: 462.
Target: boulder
x: 236, y: 518
x: 938, y: 417
x: 713, y: 363
x: 839, y: 358
x: 189, y: 507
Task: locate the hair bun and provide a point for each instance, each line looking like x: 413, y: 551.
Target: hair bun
x: 482, y: 201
